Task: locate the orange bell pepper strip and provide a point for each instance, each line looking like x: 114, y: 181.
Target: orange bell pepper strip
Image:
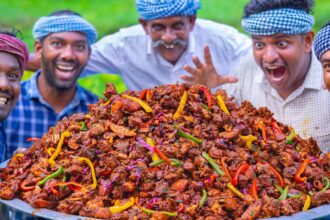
x: 254, y: 189
x: 161, y: 155
x: 181, y: 105
x: 149, y: 95
x: 116, y: 106
x: 224, y: 167
x: 222, y: 104
x: 32, y: 139
x: 91, y: 166
x: 120, y: 130
x: 51, y: 160
x: 301, y: 170
x: 144, y: 105
x: 208, y: 96
x: 277, y: 174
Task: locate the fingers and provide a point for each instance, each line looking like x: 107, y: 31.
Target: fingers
x: 188, y: 79
x: 207, y: 55
x: 228, y: 79
x: 197, y: 62
x: 191, y: 70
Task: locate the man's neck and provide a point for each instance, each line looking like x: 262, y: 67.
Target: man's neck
x: 57, y: 99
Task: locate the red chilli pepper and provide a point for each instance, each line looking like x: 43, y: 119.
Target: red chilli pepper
x: 180, y: 207
x: 207, y: 95
x: 239, y: 170
x: 26, y: 188
x: 161, y: 155
x: 301, y: 170
x: 254, y: 189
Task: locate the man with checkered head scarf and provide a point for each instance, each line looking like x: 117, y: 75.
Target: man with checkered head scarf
x: 155, y: 52
x: 281, y: 73
x: 322, y: 52
x: 62, y: 44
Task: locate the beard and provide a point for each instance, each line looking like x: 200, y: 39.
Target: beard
x: 49, y: 70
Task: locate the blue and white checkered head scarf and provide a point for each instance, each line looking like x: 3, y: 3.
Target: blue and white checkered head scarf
x: 156, y: 9
x: 278, y: 21
x: 322, y: 42
x: 64, y: 23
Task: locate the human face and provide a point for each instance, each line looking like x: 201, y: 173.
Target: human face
x: 170, y: 35
x: 325, y: 61
x: 284, y: 59
x: 10, y: 77
x: 63, y: 56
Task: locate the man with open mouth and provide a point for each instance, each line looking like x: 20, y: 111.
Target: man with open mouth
x: 63, y: 41
x: 322, y: 52
x: 282, y: 73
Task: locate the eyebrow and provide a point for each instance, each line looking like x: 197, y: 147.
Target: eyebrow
x: 273, y: 36
x: 325, y: 60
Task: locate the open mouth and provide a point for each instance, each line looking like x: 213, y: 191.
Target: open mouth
x: 276, y: 73
x: 65, y: 67
x: 168, y: 46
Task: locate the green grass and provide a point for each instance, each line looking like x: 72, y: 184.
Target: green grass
x: 110, y: 15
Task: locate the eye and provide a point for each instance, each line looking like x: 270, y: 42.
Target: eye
x: 326, y: 67
x: 13, y: 77
x: 178, y: 26
x: 81, y: 46
x: 56, y: 44
x: 282, y: 43
x: 258, y: 45
x: 157, y: 28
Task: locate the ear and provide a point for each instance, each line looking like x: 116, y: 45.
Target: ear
x: 192, y: 21
x: 38, y: 49
x: 308, y: 41
x: 144, y: 24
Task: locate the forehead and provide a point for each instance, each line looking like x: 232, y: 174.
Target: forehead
x: 325, y: 56
x: 8, y: 61
x: 274, y: 37
x: 68, y: 36
x: 169, y: 20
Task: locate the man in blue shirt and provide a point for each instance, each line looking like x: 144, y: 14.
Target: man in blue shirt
x: 63, y: 42
x: 13, y: 58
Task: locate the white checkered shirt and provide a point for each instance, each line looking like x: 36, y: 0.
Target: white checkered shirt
x: 307, y: 109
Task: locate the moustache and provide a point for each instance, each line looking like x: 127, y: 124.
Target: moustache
x: 176, y: 42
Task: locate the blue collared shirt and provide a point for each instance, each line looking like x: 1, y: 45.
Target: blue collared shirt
x: 33, y: 116
x: 3, y: 146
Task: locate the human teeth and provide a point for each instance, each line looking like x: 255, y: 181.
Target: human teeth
x: 171, y: 46
x: 3, y: 100
x: 65, y: 67
x: 272, y: 68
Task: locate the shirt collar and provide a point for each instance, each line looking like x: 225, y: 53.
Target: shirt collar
x: 34, y: 92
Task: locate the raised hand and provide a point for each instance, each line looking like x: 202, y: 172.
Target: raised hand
x: 205, y: 73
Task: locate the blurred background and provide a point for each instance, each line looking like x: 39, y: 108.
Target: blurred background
x: 108, y: 16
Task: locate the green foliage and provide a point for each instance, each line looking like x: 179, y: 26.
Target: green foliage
x: 108, y: 16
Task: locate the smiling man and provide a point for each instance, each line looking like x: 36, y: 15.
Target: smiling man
x: 63, y: 42
x: 281, y: 73
x: 13, y: 59
x: 155, y: 52
x: 322, y: 52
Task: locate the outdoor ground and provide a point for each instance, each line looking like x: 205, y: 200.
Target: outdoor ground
x: 110, y: 15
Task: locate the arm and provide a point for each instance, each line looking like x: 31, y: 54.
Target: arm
x: 33, y: 63
x: 205, y: 73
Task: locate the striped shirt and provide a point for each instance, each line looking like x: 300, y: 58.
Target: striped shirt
x: 33, y: 116
x: 3, y: 145
x: 307, y: 109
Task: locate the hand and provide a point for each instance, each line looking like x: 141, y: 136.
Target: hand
x: 205, y: 73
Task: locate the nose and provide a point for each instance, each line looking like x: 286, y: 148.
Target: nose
x: 169, y: 35
x: 68, y: 53
x: 270, y: 55
x: 4, y: 83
